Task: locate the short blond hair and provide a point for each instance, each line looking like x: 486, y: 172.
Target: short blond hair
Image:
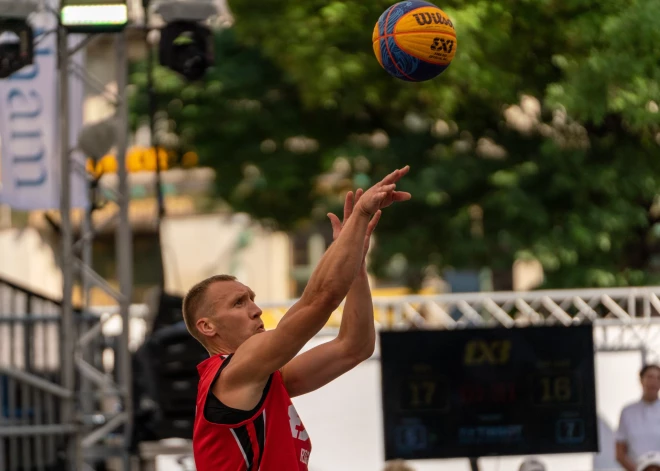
x: 194, y: 302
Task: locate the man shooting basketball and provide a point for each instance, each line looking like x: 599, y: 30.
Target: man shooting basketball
x: 245, y: 419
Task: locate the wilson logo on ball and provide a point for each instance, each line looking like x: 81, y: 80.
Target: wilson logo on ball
x: 424, y: 19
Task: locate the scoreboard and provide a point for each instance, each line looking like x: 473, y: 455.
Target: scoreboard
x: 488, y: 392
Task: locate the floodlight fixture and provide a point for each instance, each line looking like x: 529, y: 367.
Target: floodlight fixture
x: 94, y: 16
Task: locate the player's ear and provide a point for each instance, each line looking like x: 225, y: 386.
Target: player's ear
x: 205, y: 327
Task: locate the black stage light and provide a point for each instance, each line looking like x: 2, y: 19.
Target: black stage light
x: 16, y: 45
x: 187, y: 48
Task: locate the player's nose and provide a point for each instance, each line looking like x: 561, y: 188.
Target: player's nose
x: 256, y: 312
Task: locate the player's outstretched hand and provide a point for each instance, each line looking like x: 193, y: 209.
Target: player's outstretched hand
x: 383, y: 193
x: 349, y: 204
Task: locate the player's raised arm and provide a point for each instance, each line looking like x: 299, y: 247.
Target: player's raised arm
x: 261, y: 355
x: 356, y: 339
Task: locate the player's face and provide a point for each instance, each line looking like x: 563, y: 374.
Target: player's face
x: 234, y: 314
x: 651, y: 382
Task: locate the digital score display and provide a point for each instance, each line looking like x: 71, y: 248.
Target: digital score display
x: 488, y: 392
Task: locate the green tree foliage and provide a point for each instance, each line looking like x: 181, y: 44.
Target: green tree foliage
x: 541, y: 140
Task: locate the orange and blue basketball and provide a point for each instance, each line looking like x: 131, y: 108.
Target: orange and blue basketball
x: 414, y: 41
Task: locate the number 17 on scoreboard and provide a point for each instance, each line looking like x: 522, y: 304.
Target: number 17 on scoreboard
x: 570, y: 431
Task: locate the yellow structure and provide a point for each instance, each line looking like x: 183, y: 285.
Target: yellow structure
x: 143, y: 159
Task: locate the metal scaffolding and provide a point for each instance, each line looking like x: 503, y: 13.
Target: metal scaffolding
x: 101, y: 409
x: 59, y: 406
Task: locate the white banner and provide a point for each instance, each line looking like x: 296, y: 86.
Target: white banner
x: 29, y: 126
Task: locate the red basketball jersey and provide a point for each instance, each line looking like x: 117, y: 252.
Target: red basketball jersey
x: 273, y: 439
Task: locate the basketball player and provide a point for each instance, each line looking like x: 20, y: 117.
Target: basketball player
x: 245, y: 419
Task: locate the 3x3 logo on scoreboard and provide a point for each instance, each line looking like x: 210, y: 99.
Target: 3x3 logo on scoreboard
x: 489, y: 392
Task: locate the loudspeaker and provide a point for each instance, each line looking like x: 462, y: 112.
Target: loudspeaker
x: 165, y: 384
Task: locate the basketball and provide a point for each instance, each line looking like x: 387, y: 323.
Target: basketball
x: 414, y: 41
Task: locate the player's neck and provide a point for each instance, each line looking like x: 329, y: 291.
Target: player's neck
x: 649, y: 399
x: 217, y: 349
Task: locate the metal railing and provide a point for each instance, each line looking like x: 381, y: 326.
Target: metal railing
x: 30, y: 430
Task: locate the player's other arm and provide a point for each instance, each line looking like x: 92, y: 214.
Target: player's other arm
x: 354, y: 344
x: 242, y: 382
x: 356, y: 340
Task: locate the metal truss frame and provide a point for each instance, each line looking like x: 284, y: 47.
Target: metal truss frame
x: 623, y: 318
x: 90, y: 406
x: 87, y: 408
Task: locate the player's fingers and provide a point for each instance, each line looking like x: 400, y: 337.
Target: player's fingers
x: 358, y: 194
x: 391, y: 178
x: 401, y: 173
x: 370, y: 229
x: 373, y: 223
x: 381, y: 198
x: 336, y: 225
x: 387, y: 188
x: 396, y: 175
x: 348, y: 206
x: 401, y: 196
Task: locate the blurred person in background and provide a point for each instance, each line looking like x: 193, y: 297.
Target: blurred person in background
x: 649, y: 462
x: 245, y: 419
x: 532, y: 464
x: 398, y: 465
x: 639, y: 425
